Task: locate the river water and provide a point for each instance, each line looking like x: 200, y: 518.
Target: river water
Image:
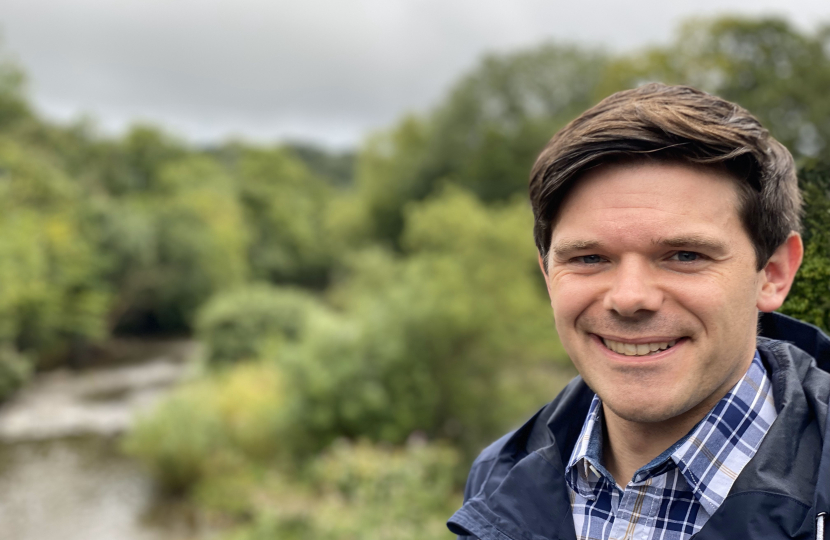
x: 62, y: 476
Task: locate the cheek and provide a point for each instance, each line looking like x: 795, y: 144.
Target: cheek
x: 571, y: 296
x: 703, y: 302
x: 720, y: 304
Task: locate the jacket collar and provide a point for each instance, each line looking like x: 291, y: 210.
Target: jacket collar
x: 804, y: 336
x: 525, y: 496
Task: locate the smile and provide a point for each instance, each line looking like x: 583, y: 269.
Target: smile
x: 637, y: 349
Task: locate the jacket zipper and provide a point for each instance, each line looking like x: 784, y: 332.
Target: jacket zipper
x: 820, y: 525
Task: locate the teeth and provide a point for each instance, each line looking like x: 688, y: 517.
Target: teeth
x: 642, y: 349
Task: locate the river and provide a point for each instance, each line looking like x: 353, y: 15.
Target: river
x: 62, y: 476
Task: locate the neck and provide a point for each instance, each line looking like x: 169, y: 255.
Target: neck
x: 629, y: 445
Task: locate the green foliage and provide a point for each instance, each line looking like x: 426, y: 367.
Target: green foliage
x: 441, y: 316
x: 485, y: 136
x: 146, y: 151
x: 159, y: 226
x: 179, y: 440
x: 13, y: 106
x: 488, y: 131
x: 423, y: 343
x: 352, y: 491
x: 387, y: 175
x: 134, y: 235
x: 173, y: 247
x: 202, y: 239
x: 337, y: 168
x: 235, y: 415
x: 15, y: 370
x: 50, y: 288
x: 809, y: 299
x: 766, y: 65
x: 252, y: 321
x: 419, y: 343
x: 285, y: 208
x: 496, y: 119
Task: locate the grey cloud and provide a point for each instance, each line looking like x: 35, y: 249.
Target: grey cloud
x: 327, y: 70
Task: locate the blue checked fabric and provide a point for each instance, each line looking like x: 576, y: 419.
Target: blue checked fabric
x: 674, y: 495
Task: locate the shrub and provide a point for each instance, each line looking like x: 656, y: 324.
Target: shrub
x: 52, y: 291
x: 243, y: 323
x: 352, y: 491
x: 212, y: 423
x: 285, y: 208
x: 809, y: 299
x: 15, y: 370
x: 461, y: 322
x: 423, y: 343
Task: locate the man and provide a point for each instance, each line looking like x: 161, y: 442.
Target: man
x: 666, y: 221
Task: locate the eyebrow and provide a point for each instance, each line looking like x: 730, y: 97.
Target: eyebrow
x: 693, y: 242
x: 566, y: 247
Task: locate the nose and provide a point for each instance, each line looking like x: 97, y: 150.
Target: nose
x: 633, y: 289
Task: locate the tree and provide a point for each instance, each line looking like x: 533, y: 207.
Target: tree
x: 484, y: 136
x: 765, y: 65
x: 337, y: 168
x: 809, y: 299
x: 52, y: 288
x: 285, y: 210
x: 14, y: 109
x: 173, y: 246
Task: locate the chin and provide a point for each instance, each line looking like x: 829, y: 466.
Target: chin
x: 645, y: 413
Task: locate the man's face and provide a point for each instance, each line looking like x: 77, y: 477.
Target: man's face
x: 654, y: 287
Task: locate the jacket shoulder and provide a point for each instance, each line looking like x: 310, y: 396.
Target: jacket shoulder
x: 483, y: 464
x: 537, y: 432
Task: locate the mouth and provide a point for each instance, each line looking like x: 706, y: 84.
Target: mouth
x: 638, y: 349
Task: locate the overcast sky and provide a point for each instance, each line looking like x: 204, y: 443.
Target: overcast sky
x: 327, y: 71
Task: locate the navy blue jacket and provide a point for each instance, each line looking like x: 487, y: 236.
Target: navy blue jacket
x: 516, y: 489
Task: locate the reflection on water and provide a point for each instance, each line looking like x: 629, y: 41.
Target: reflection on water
x: 81, y: 488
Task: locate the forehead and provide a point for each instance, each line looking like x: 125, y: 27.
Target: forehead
x: 633, y: 199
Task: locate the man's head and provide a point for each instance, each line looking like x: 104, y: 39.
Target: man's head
x: 665, y: 219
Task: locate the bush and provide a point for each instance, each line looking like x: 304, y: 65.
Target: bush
x: 15, y: 370
x: 207, y: 425
x: 52, y: 291
x: 285, y: 208
x: 424, y: 343
x: 352, y: 491
x: 244, y: 323
x: 809, y: 299
x: 440, y: 336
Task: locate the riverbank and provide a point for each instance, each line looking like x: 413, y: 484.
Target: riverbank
x: 61, y: 472
x: 101, y: 400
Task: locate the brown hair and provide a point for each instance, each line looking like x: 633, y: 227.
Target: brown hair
x: 674, y: 123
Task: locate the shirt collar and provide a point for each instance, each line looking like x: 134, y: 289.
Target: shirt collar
x: 739, y: 408
x: 585, y: 473
x: 715, y: 452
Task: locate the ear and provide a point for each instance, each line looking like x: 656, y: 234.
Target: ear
x: 778, y: 274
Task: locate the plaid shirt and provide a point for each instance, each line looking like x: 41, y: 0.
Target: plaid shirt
x: 674, y: 495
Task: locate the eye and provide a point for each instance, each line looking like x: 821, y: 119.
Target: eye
x: 686, y: 256
x: 588, y: 259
